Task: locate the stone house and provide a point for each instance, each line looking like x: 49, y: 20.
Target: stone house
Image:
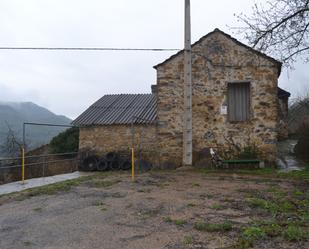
x: 236, y: 104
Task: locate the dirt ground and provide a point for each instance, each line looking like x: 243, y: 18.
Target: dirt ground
x: 159, y: 210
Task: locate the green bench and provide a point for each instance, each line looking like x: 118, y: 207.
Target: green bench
x: 244, y: 162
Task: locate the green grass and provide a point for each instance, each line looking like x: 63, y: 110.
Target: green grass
x: 180, y: 222
x: 254, y: 233
x: 267, y: 172
x: 295, y: 233
x: 213, y: 227
x: 288, y: 218
x: 263, y: 204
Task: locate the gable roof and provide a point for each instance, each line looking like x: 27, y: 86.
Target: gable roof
x: 120, y: 109
x: 279, y: 64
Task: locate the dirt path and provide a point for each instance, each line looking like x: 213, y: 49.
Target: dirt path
x: 159, y: 210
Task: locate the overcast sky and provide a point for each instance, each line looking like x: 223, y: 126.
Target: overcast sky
x: 68, y: 82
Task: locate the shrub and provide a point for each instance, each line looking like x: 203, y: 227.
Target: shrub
x: 65, y: 142
x: 301, y: 148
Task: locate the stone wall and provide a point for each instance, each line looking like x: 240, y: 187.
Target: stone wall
x: 118, y: 138
x: 217, y: 61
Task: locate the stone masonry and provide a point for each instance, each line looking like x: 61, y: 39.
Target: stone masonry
x: 118, y: 138
x: 218, y: 60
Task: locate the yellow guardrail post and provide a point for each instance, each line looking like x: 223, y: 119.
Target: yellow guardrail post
x: 23, y: 164
x: 133, y: 170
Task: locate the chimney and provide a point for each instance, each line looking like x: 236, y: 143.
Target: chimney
x: 154, y: 89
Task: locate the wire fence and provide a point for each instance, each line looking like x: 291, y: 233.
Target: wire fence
x: 38, y: 166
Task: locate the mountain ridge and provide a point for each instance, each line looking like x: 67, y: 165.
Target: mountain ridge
x: 14, y: 114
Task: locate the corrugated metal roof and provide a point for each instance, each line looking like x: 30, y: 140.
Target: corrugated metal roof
x: 120, y: 109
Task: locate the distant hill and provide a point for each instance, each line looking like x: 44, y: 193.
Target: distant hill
x: 15, y: 114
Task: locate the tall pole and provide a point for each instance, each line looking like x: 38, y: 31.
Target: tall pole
x: 187, y: 129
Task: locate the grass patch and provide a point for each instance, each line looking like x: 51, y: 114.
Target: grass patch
x: 272, y: 230
x: 217, y: 207
x: 266, y: 172
x: 180, y: 222
x: 254, y: 233
x: 263, y: 204
x: 196, y: 184
x: 188, y: 240
x: 213, y: 227
x: 295, y: 233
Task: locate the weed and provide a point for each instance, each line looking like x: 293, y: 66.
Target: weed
x: 294, y: 233
x: 254, y: 233
x: 148, y: 213
x: 276, y: 191
x: 144, y: 190
x: 217, y: 207
x: 213, y: 227
x: 272, y: 230
x: 191, y: 205
x: 98, y: 204
x: 28, y: 243
x: 180, y: 222
x: 38, y: 209
x: 263, y: 204
x: 287, y: 206
x: 298, y: 193
x: 168, y: 219
x: 196, y: 184
x: 188, y: 240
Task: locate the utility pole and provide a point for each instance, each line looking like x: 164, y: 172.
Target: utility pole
x: 187, y: 128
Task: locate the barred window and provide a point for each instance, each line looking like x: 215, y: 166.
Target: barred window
x: 238, y: 101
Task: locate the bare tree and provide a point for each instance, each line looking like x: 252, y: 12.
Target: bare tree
x: 13, y: 144
x: 280, y: 28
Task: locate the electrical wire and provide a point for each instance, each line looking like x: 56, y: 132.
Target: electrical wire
x: 90, y: 49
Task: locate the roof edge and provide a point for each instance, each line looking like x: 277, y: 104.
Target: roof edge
x: 216, y: 30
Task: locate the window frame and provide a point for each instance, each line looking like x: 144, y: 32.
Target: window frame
x: 249, y: 102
